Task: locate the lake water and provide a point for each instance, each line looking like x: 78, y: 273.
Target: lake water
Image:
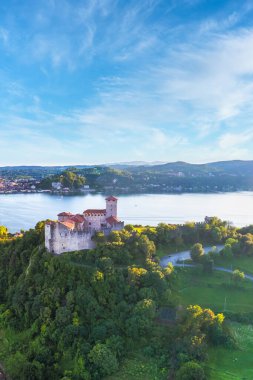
x: 22, y: 211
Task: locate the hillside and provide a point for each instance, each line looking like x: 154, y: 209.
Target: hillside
x: 166, y: 178
x: 109, y: 311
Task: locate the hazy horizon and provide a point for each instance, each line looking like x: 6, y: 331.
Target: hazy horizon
x: 130, y: 163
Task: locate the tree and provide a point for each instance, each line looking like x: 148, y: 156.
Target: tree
x: 3, y: 231
x: 227, y: 251
x: 247, y: 244
x: 136, y: 275
x: 191, y: 371
x: 129, y: 227
x: 103, y: 359
x: 165, y: 233
x: 16, y: 365
x: 197, y: 251
x: 145, y: 308
x: 207, y: 263
x: 238, y: 276
x: 114, y: 236
x: 146, y: 246
x: 99, y: 237
x: 190, y: 232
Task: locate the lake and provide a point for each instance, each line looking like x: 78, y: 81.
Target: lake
x: 22, y: 211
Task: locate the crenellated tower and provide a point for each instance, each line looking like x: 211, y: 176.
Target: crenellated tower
x: 111, y: 206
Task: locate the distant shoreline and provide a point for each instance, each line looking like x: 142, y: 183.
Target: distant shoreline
x: 117, y: 193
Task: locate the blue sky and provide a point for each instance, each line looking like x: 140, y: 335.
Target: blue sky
x: 121, y: 80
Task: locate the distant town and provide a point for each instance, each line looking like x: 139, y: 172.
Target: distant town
x: 31, y: 185
x: 10, y: 186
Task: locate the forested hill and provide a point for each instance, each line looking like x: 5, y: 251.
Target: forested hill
x: 235, y: 167
x: 124, y: 178
x: 78, y: 316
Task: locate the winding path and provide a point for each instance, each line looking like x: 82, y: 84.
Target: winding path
x: 177, y: 258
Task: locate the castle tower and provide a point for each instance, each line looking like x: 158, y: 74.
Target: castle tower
x: 111, y: 206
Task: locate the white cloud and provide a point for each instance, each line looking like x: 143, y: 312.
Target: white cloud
x: 234, y: 140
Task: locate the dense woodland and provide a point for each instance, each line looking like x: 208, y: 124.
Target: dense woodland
x: 79, y: 315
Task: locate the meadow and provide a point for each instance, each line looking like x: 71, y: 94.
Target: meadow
x: 243, y: 263
x: 215, y: 291
x: 233, y: 364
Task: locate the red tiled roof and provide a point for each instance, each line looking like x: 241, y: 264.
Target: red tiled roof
x: 112, y: 220
x: 68, y: 223
x: 78, y: 218
x: 94, y: 211
x: 65, y: 214
x: 111, y: 198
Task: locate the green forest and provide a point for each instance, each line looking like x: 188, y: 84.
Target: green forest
x: 67, y: 179
x: 113, y: 312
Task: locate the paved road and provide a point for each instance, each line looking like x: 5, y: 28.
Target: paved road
x: 176, y: 257
x: 222, y: 269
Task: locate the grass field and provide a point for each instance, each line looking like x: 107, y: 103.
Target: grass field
x: 167, y: 250
x: 214, y: 291
x: 225, y: 364
x: 244, y: 263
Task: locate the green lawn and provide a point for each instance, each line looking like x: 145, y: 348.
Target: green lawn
x: 225, y: 364
x: 214, y: 291
x: 244, y: 263
x: 169, y: 249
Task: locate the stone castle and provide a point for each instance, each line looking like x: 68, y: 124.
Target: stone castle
x: 74, y: 232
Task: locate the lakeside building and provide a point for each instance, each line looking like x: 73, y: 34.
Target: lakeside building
x: 74, y: 232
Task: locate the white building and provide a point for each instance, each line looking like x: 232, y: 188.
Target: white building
x: 56, y: 185
x: 74, y: 232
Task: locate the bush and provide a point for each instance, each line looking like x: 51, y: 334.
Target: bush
x: 197, y: 251
x: 191, y: 371
x: 103, y: 359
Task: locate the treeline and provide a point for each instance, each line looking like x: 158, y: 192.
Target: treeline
x: 211, y: 231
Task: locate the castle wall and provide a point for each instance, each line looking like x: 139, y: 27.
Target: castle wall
x: 95, y: 221
x: 48, y: 240
x: 60, y: 239
x: 118, y: 226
